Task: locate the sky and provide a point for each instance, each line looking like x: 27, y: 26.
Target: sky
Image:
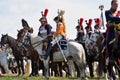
x: 12, y: 11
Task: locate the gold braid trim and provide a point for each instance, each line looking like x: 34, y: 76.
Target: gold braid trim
x: 117, y: 26
x: 113, y: 40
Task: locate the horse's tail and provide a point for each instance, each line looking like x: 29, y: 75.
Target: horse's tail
x: 83, y: 55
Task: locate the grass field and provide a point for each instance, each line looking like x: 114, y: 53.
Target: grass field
x: 25, y: 77
x: 40, y: 78
x: 14, y: 77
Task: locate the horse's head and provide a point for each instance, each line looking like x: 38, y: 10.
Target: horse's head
x: 20, y: 35
x: 4, y: 39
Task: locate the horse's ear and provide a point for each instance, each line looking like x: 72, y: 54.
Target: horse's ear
x: 18, y: 30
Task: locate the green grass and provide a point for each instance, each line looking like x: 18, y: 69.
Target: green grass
x: 39, y: 78
x: 25, y: 77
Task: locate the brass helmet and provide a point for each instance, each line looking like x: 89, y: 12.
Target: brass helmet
x: 44, y: 15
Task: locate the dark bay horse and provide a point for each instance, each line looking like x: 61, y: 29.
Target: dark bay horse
x: 29, y: 52
x: 17, y: 51
x: 105, y: 64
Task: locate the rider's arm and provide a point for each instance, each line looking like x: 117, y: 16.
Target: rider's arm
x: 48, y: 27
x: 112, y: 18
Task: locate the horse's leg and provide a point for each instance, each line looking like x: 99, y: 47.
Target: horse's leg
x: 22, y: 67
x: 65, y: 67
x: 81, y: 69
x: 60, y: 69
x: 105, y: 67
x: 46, y: 65
x: 77, y: 69
x: 100, y: 66
x: 41, y: 66
x: 36, y: 64
x: 71, y: 67
x: 28, y: 67
x: 81, y: 65
x: 18, y: 64
x: 118, y: 67
x: 111, y: 71
x: 32, y: 64
x: 55, y: 69
x: 90, y: 67
x: 52, y: 68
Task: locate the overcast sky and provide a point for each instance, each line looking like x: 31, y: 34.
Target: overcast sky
x: 12, y: 11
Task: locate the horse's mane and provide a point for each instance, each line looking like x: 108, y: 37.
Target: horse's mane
x: 13, y: 40
x: 35, y: 39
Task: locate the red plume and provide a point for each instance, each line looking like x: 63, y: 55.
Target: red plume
x: 97, y: 20
x: 45, y: 12
x: 90, y: 22
x: 81, y: 21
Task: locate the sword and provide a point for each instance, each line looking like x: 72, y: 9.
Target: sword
x: 61, y: 51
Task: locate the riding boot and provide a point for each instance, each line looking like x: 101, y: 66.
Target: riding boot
x: 48, y: 51
x: 115, y: 45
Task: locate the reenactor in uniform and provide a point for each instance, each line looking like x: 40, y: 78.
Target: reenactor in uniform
x: 80, y: 31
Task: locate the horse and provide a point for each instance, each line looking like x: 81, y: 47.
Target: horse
x: 91, y: 51
x: 102, y: 66
x: 17, y: 51
x: 105, y: 64
x: 116, y: 52
x: 75, y: 50
x: 30, y: 52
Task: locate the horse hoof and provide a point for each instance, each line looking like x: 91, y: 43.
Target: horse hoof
x: 18, y: 75
x: 30, y: 75
x: 1, y: 75
x: 47, y: 78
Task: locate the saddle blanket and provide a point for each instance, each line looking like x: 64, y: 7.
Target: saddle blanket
x: 64, y: 44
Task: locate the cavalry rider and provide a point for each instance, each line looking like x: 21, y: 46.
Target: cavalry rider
x: 97, y: 26
x: 59, y: 34
x: 88, y: 28
x: 80, y: 31
x: 28, y: 31
x: 45, y: 28
x: 112, y: 17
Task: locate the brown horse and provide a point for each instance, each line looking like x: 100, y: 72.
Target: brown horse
x: 102, y: 67
x: 105, y: 64
x: 29, y: 52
